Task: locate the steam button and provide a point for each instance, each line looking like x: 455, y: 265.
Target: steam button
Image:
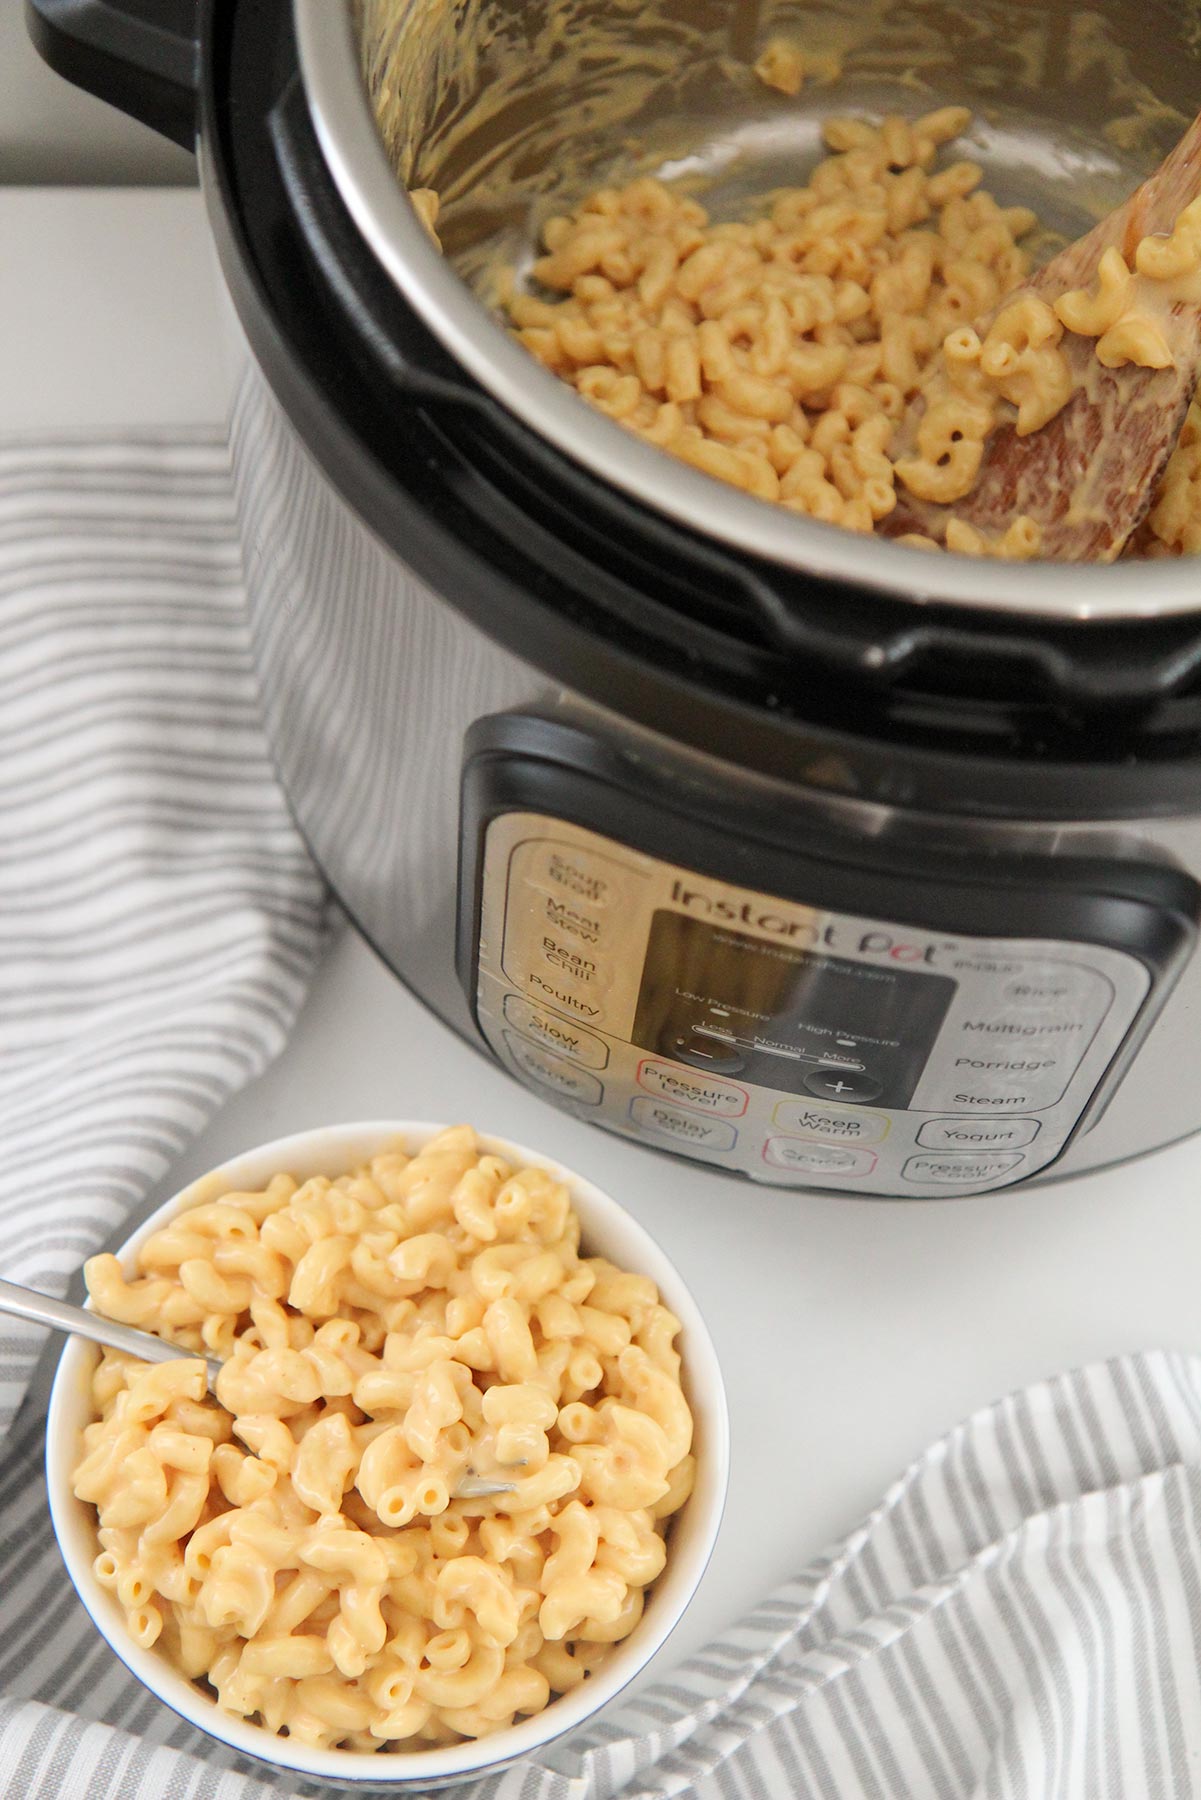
x: 843, y: 1084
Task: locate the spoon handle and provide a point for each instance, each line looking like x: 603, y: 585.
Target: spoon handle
x: 27, y: 1303
x: 41, y: 1309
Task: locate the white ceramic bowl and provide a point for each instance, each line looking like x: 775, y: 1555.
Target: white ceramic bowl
x: 607, y: 1230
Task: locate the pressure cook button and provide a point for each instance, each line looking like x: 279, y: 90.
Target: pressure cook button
x: 843, y: 1084
x: 700, y: 1093
x: 685, y: 1128
x: 960, y: 1168
x: 824, y: 1161
x: 553, y: 1073
x: 562, y: 1035
x: 979, y: 1134
x: 810, y: 1119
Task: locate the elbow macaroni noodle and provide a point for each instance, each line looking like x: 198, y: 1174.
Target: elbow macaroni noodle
x: 297, y: 1546
x: 779, y: 353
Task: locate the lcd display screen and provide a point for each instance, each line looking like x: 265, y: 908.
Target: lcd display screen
x: 795, y: 1020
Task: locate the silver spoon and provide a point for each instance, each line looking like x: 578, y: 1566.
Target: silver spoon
x: 40, y: 1309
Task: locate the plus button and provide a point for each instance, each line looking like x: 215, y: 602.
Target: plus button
x: 836, y: 1084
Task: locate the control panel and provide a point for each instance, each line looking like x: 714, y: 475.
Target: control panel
x: 792, y: 1043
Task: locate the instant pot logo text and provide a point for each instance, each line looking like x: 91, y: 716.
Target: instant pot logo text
x: 812, y: 934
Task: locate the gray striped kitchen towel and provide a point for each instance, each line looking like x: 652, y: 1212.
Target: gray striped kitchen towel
x: 1018, y: 1619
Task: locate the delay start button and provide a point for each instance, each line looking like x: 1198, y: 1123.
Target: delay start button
x: 685, y: 1128
x: 961, y: 1168
x: 700, y: 1093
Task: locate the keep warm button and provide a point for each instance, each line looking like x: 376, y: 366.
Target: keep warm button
x: 721, y: 1099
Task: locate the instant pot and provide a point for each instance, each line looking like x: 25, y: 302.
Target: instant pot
x: 811, y: 858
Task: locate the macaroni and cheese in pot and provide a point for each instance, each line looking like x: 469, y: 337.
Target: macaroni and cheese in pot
x: 297, y: 1546
x: 782, y: 352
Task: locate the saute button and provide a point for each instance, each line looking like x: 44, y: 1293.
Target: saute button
x: 563, y: 1035
x: 843, y: 1084
x: 960, y: 1168
x: 553, y: 1073
x: 685, y: 1128
x: 979, y: 1134
x: 826, y: 1160
x: 700, y: 1093
x: 813, y: 1120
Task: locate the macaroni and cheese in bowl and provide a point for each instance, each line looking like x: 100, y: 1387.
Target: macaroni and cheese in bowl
x: 401, y: 1311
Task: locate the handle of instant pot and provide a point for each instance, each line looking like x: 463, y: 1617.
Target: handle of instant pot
x: 143, y: 60
x: 415, y: 363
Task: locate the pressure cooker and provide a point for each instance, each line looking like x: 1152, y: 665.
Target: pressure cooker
x: 809, y: 857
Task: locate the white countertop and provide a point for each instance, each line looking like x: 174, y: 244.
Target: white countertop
x: 851, y: 1332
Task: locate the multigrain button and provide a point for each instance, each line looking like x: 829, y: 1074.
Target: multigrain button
x: 828, y: 1161
x: 685, y: 1128
x: 961, y: 1168
x: 700, y: 1093
x: 553, y: 1073
x: 562, y: 1035
x: 810, y: 1119
x: 978, y: 1134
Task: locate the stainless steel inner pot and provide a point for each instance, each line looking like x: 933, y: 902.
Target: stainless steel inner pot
x: 514, y: 111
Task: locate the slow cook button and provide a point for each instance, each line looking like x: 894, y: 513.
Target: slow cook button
x: 685, y: 1128
x: 835, y: 1161
x: 961, y: 1168
x: 553, y: 1073
x: 700, y: 1093
x: 563, y: 1035
x: 813, y: 1120
x: 979, y: 1134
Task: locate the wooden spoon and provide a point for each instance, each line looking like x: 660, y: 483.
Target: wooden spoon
x: 1120, y: 427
